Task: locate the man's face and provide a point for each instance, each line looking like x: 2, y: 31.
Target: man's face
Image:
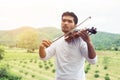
x: 67, y: 23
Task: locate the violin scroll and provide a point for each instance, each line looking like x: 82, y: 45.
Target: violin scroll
x: 92, y: 30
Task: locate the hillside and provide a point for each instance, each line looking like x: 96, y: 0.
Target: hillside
x: 9, y: 37
x: 104, y: 40
x: 101, y: 40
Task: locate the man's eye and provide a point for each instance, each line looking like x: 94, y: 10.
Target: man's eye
x: 63, y: 20
x: 69, y: 21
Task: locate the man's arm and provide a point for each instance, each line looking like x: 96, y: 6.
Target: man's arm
x: 43, y: 45
x: 91, y: 50
x: 85, y: 36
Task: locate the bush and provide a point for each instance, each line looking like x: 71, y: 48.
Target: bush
x: 96, y: 71
x: 106, y: 78
x: 3, y: 79
x: 96, y: 75
x: 1, y: 52
x: 46, y: 67
x: 33, y: 75
x: 86, y: 71
x: 53, y: 70
x: 51, y: 65
x: 40, y: 66
x: 26, y: 73
x: 97, y: 65
x: 105, y: 67
x: 5, y: 74
x: 31, y: 60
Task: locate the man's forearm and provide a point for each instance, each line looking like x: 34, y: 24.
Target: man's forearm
x: 91, y: 50
x: 42, y: 52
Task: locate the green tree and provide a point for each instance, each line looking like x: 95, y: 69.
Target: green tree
x: 6, y: 74
x: 1, y: 52
x: 28, y: 40
x: 116, y: 44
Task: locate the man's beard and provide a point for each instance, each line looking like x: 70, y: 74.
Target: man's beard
x: 65, y: 29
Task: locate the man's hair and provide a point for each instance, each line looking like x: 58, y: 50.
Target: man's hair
x: 71, y: 14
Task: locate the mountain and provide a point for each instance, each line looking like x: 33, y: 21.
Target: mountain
x: 9, y: 37
x: 101, y: 40
x: 104, y: 40
x: 49, y: 32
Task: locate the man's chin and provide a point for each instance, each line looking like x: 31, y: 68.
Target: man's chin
x: 65, y: 31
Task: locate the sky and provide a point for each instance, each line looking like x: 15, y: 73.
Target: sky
x: 105, y: 14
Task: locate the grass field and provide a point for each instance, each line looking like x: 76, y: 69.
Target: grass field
x: 30, y: 67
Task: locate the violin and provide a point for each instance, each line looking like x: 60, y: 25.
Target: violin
x: 75, y: 34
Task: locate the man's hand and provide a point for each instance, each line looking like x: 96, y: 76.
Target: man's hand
x: 43, y: 45
x: 85, y: 35
x: 46, y: 43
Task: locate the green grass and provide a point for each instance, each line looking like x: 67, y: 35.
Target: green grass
x: 30, y: 67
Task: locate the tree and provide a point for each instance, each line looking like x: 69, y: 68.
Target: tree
x: 116, y: 44
x: 1, y: 52
x: 5, y: 73
x: 28, y: 40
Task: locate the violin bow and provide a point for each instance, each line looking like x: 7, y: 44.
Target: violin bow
x: 72, y: 29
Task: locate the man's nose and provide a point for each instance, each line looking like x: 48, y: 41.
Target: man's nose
x: 66, y: 22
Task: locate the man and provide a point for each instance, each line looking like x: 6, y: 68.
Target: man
x: 70, y: 56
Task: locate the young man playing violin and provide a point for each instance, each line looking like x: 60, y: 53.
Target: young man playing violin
x: 70, y: 56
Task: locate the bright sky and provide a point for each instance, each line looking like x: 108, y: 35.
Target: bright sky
x: 43, y: 13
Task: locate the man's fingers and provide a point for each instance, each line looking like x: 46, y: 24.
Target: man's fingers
x: 46, y: 43
x: 84, y: 34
